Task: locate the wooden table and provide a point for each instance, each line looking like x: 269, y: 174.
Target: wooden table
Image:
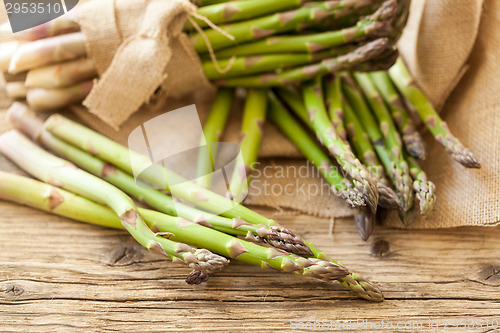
x: 59, y: 275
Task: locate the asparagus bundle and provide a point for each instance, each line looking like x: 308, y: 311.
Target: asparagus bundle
x: 55, y: 54
x: 79, y: 208
x: 60, y: 173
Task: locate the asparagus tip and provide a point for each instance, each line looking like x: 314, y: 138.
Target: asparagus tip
x: 467, y: 159
x: 354, y: 198
x: 425, y: 192
x: 197, y: 277
x: 387, y: 197
x: 414, y: 145
x: 364, y: 288
x: 285, y: 239
x: 365, y: 222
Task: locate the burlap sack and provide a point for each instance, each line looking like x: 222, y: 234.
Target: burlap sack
x: 451, y: 46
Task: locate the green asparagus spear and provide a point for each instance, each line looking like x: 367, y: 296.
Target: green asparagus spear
x: 63, y: 174
x: 437, y: 126
x: 314, y: 102
x: 340, y: 186
x: 247, y: 65
x: 376, y: 25
x: 297, y: 75
x: 15, y: 188
x: 213, y: 130
x: 254, y: 117
x: 412, y: 139
x: 121, y: 157
x: 389, y: 132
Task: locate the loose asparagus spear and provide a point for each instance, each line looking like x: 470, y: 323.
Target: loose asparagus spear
x: 118, y: 155
x: 296, y: 75
x: 425, y: 190
x: 365, y: 222
x: 340, y: 186
x: 213, y: 131
x: 412, y: 139
x: 234, y: 11
x: 52, y: 99
x: 61, y: 75
x: 314, y: 102
x: 375, y: 25
x: 254, y: 117
x: 63, y: 174
x: 25, y: 120
x: 15, y: 188
x: 48, y: 51
x: 389, y: 131
x: 366, y: 153
x: 437, y: 126
x: 274, y: 24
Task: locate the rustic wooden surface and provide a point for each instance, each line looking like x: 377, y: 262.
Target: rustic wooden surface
x: 59, y: 275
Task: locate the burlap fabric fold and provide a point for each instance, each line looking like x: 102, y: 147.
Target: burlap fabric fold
x: 138, y: 46
x: 453, y: 49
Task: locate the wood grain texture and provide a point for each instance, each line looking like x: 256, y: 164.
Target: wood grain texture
x: 57, y: 275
